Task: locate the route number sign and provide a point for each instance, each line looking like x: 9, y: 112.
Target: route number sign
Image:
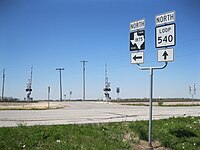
x: 165, y: 36
x: 137, y: 40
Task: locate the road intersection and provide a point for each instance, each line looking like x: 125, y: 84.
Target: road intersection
x: 91, y: 112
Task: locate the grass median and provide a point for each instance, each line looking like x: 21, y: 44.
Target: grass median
x: 174, y: 133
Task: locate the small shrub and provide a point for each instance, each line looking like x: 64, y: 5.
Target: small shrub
x: 160, y: 102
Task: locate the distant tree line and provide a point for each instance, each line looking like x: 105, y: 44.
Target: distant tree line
x: 9, y: 99
x: 154, y: 100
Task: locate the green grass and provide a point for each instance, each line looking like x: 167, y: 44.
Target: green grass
x: 62, y: 137
x: 175, y: 133
x: 183, y: 133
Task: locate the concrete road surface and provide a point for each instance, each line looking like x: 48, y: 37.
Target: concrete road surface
x: 91, y: 112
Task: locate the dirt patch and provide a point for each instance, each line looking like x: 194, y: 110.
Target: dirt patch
x: 144, y: 145
x: 31, y: 105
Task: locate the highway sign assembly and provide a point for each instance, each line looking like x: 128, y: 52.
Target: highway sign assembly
x: 137, y: 40
x: 165, y: 36
x: 136, y: 25
x: 137, y: 57
x: 166, y: 55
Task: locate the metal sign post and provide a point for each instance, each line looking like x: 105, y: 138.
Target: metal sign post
x: 151, y: 69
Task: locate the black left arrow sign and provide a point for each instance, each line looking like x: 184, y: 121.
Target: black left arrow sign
x: 165, y: 54
x: 137, y: 57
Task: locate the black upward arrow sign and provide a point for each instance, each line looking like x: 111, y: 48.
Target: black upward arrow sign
x: 165, y: 55
x: 137, y: 57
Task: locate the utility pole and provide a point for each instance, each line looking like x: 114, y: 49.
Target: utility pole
x: 84, y: 61
x: 60, y: 69
x: 49, y: 90
x: 48, y: 95
x: 3, y: 85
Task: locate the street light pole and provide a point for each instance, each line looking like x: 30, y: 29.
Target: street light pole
x: 60, y: 69
x: 84, y: 61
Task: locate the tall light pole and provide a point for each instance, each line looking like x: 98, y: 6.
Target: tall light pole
x: 60, y: 69
x: 84, y: 61
x: 3, y: 85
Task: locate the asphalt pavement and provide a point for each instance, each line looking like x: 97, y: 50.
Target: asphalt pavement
x: 91, y: 112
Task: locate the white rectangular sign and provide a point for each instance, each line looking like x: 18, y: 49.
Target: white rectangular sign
x: 165, y: 36
x: 166, y: 55
x: 137, y: 57
x: 136, y: 25
x: 165, y: 18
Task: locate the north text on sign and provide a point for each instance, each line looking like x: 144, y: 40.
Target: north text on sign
x: 165, y: 18
x: 137, y: 25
